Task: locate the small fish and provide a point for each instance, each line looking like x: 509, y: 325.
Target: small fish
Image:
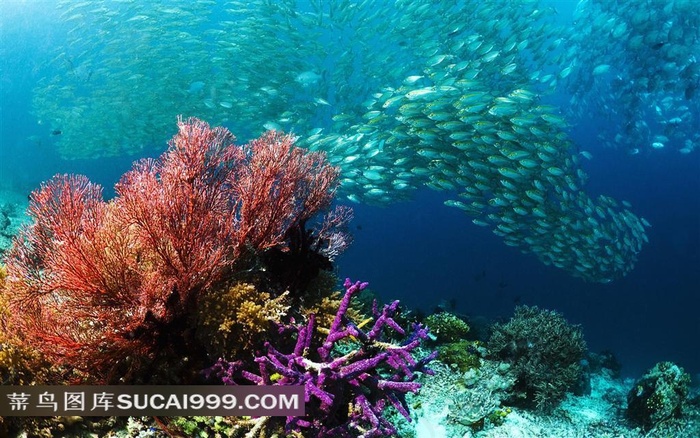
x: 410, y: 80
x: 555, y: 171
x: 421, y: 93
x: 690, y: 91
x: 509, y: 173
x: 308, y: 78
x: 601, y: 69
x: 565, y: 72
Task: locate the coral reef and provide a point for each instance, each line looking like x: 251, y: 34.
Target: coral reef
x: 658, y: 395
x: 204, y: 427
x: 463, y: 402
x: 449, y: 398
x: 480, y: 394
x: 124, y: 277
x: 448, y: 332
x: 19, y: 363
x: 545, y: 352
x: 345, y: 394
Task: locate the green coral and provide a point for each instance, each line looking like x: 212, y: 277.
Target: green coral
x: 659, y: 395
x: 545, y: 352
x: 446, y: 327
x: 205, y: 427
x: 463, y: 355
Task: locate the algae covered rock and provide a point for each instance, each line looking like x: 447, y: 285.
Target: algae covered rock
x: 658, y: 395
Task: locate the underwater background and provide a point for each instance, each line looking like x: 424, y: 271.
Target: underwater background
x: 422, y: 252
x: 415, y: 249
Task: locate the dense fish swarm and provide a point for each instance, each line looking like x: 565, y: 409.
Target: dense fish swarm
x: 639, y: 71
x: 400, y: 95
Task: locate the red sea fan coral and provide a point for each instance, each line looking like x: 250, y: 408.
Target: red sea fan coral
x: 269, y: 187
x: 68, y: 268
x: 103, y: 286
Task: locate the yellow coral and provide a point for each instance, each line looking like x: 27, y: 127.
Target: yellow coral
x: 234, y: 320
x: 323, y: 299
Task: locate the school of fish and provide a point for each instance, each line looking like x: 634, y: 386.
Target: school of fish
x: 639, y: 72
x: 403, y: 94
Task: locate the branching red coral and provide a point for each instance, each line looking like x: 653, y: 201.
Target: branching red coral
x: 101, y: 285
x: 180, y: 209
x: 269, y: 189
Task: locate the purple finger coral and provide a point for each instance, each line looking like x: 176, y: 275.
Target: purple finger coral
x: 345, y: 394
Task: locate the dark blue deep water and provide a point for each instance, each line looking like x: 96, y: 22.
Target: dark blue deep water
x: 428, y: 255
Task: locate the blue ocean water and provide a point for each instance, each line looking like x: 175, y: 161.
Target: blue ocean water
x: 422, y: 253
x: 425, y: 254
